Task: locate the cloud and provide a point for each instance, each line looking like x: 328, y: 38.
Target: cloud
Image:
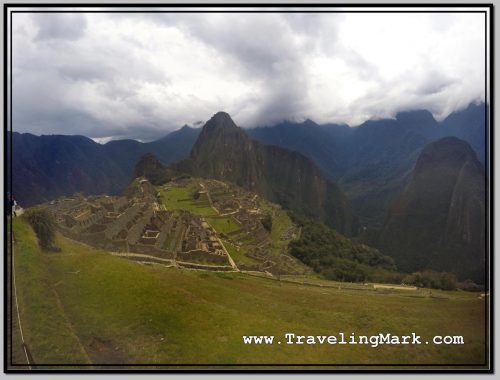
x: 59, y: 26
x: 143, y: 75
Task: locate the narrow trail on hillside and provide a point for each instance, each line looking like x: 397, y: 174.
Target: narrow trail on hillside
x: 25, y: 347
x: 28, y: 354
x: 70, y: 326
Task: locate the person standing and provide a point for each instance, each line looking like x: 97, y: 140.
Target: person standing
x: 14, y: 205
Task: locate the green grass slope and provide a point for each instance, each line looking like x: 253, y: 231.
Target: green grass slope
x: 83, y: 304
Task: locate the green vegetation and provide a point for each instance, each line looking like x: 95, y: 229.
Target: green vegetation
x: 338, y: 258
x: 238, y: 255
x: 149, y: 167
x: 470, y: 286
x: 44, y: 225
x: 118, y: 311
x: 173, y: 195
x: 281, y: 222
x: 224, y: 225
x: 327, y: 252
x: 426, y: 230
x: 267, y: 222
x: 47, y: 331
x: 432, y: 279
x: 183, y: 198
x: 189, y: 196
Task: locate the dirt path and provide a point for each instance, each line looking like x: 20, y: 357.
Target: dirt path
x: 209, y: 197
x: 70, y: 326
x: 396, y: 287
x: 230, y: 259
x: 29, y: 357
x: 142, y: 255
x: 17, y: 318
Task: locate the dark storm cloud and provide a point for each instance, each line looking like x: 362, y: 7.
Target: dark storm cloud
x: 264, y: 50
x: 63, y: 86
x: 142, y: 75
x: 268, y: 51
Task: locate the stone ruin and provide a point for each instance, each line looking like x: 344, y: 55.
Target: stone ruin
x: 137, y: 223
x: 243, y: 208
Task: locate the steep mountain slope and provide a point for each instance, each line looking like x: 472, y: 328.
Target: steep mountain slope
x: 173, y: 147
x: 45, y: 167
x: 308, y: 138
x: 224, y: 151
x: 149, y: 166
x: 439, y: 221
x: 379, y: 156
x: 469, y: 125
x: 371, y: 163
x: 48, y: 166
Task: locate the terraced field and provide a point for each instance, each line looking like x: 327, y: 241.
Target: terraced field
x: 236, y: 216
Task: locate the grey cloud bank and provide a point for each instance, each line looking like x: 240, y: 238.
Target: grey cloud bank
x: 143, y: 75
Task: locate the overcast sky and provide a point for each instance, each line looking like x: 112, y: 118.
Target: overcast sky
x: 141, y: 76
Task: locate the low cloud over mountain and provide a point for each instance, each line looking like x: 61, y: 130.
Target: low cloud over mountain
x: 142, y: 75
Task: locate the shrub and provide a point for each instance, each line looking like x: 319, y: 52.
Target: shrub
x: 44, y: 225
x: 338, y: 258
x: 432, y: 279
x: 267, y: 222
x: 470, y: 286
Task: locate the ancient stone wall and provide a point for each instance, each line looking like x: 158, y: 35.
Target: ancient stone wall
x: 164, y: 232
x: 151, y: 250
x: 135, y: 232
x: 114, y: 228
x: 201, y: 255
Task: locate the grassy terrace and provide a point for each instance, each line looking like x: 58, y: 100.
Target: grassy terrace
x: 238, y: 254
x: 181, y: 198
x: 224, y: 225
x: 82, y: 305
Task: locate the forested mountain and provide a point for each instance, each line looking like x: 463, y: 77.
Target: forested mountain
x: 371, y: 163
x: 438, y: 222
x: 48, y: 166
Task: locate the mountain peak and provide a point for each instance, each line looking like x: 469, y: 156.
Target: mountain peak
x: 416, y: 118
x: 438, y: 221
x: 221, y: 120
x: 151, y: 168
x: 147, y: 162
x: 219, y: 133
x: 224, y: 151
x: 221, y: 114
x: 447, y: 149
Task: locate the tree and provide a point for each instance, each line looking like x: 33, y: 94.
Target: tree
x: 44, y: 225
x: 267, y: 222
x: 432, y: 279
